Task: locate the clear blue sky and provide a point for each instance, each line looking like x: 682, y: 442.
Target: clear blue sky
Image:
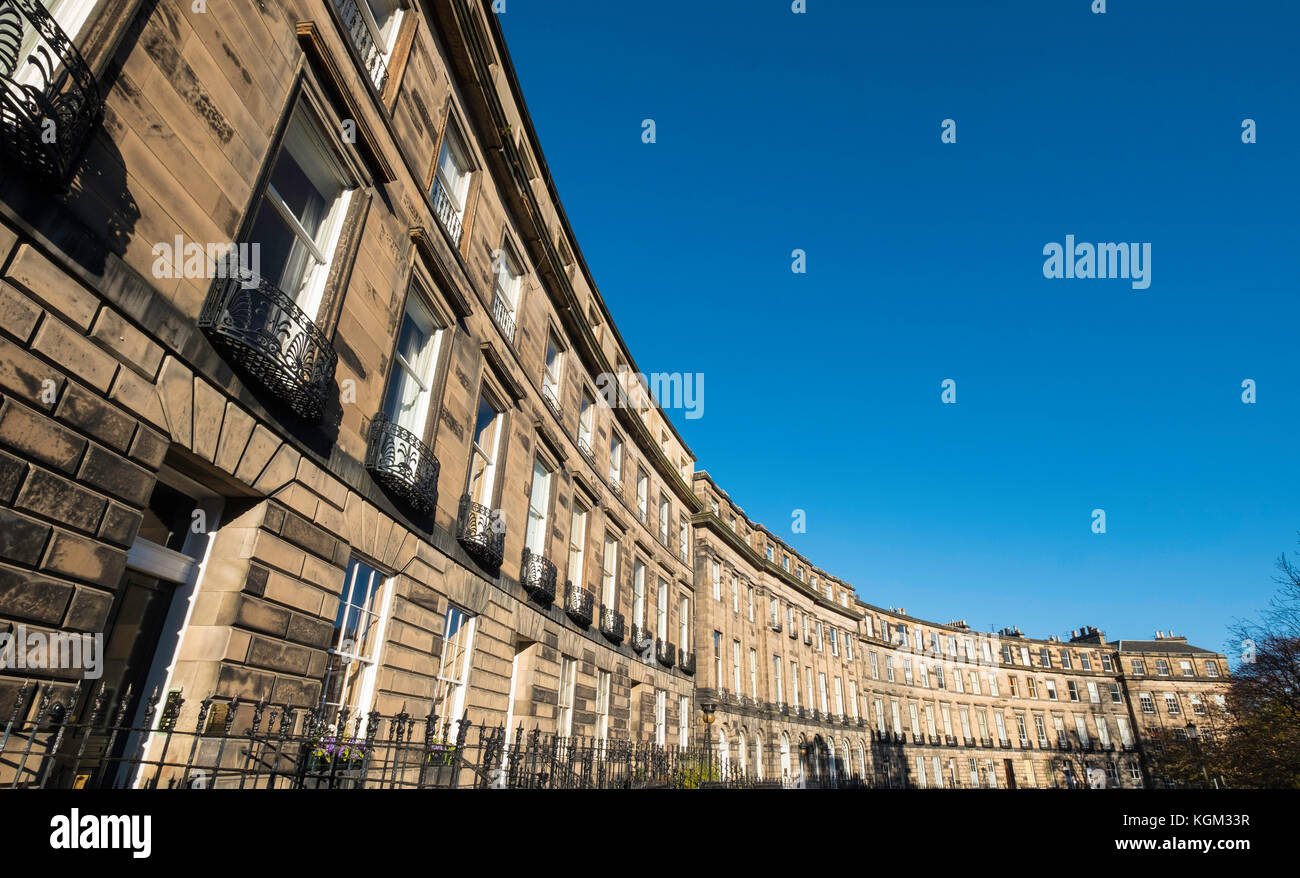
x: 821, y: 131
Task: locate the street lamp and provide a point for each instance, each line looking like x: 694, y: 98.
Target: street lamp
x: 707, y: 707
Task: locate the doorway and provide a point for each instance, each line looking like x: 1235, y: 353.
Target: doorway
x: 149, y: 616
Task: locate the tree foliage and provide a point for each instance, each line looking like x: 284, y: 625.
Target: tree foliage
x: 1256, y: 743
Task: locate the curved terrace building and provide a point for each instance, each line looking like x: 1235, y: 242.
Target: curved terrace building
x: 303, y: 387
x: 813, y: 684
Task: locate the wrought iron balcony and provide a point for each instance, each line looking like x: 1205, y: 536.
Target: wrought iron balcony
x: 794, y: 633
x: 482, y: 534
x: 775, y: 625
x: 363, y: 40
x: 447, y: 211
x: 538, y: 577
x: 686, y: 661
x: 399, y: 461
x: 504, y: 315
x: 785, y: 710
x: 801, y: 713
x: 641, y: 639
x: 263, y: 331
x: 665, y: 652
x: 548, y: 397
x: 615, y: 485
x: 612, y: 624
x: 807, y: 638
x: 579, y: 604
x: 585, y: 447
x: 49, y: 91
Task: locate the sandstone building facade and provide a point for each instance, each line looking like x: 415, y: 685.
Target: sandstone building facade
x: 369, y: 461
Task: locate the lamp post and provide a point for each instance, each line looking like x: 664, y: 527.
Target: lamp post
x: 707, y: 707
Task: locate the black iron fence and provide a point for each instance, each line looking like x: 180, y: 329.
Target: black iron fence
x: 62, y: 738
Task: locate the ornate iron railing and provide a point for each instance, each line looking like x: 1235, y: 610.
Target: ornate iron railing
x: 665, y: 652
x: 363, y: 40
x: 538, y: 577
x: 49, y: 100
x: 86, y: 739
x: 504, y: 315
x: 641, y: 639
x: 612, y: 624
x: 585, y: 448
x: 264, y: 332
x: 579, y: 604
x: 548, y: 396
x: 402, y: 463
x: 775, y: 625
x: 686, y: 661
x: 615, y: 485
x: 447, y: 212
x: 481, y: 533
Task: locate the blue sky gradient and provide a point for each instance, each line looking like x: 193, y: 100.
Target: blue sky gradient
x: 821, y: 131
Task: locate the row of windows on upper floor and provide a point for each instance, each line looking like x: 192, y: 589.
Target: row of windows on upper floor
x: 297, y: 225
x: 774, y: 614
x: 778, y: 691
x: 845, y: 597
x: 934, y: 643
x: 936, y: 677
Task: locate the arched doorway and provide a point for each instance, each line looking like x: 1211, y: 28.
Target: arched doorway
x: 758, y: 754
x: 741, y: 752
x: 817, y: 768
x: 785, y: 757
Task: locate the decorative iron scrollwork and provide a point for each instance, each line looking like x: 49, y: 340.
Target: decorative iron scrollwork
x: 372, y: 56
x: 538, y: 577
x: 264, y: 332
x: 612, y: 624
x: 579, y: 604
x: 480, y: 533
x: 49, y: 100
x: 398, y: 460
x: 666, y: 652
